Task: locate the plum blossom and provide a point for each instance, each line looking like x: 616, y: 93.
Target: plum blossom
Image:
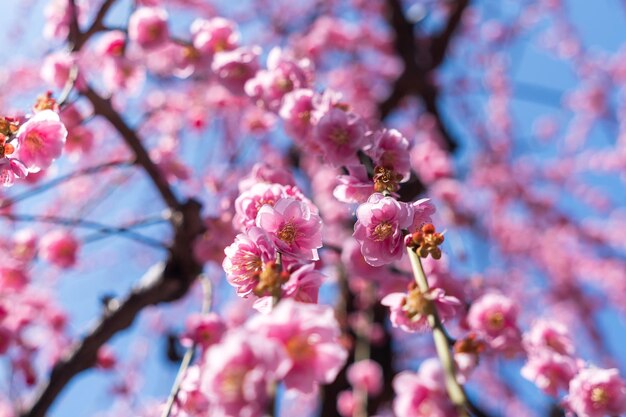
x: 366, y: 375
x: 293, y: 227
x: 390, y: 149
x: 379, y: 228
x: 60, y: 248
x: 308, y: 333
x: 234, y: 68
x: 550, y: 335
x: 420, y: 395
x: 214, y: 35
x: 284, y: 73
x: 340, y: 135
x: 494, y: 317
x: 549, y: 371
x: 238, y: 373
x: 147, y: 27
x: 245, y: 259
x: 597, y: 392
x: 203, y: 329
x: 41, y: 140
x: 410, y: 311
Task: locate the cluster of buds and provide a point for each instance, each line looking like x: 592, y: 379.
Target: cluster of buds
x: 271, y: 278
x: 425, y: 241
x: 386, y: 180
x: 8, y: 126
x: 46, y: 102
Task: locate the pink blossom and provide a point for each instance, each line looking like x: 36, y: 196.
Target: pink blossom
x: 249, y: 202
x: 379, y: 228
x: 234, y: 68
x: 112, y: 44
x: 417, y: 396
x: 549, y: 371
x: 366, y: 375
x: 56, y: 68
x: 121, y: 74
x: 597, y: 392
x: 239, y: 371
x: 355, y: 187
x: 494, y: 316
x: 390, y: 149
x: 423, y: 211
x: 190, y: 397
x: 299, y: 112
x: 10, y: 169
x: 340, y: 135
x: 293, y: 227
x: 147, y: 27
x: 41, y: 140
x: 304, y: 284
x: 60, y: 248
x: 13, y: 278
x: 203, y: 329
x: 284, y: 73
x: 24, y: 246
x: 410, y: 311
x: 245, y: 259
x: 346, y: 404
x: 550, y: 335
x: 214, y: 35
x: 264, y: 172
x: 308, y: 333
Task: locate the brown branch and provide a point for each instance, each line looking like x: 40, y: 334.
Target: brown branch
x: 103, y: 107
x: 421, y: 58
x: 162, y: 283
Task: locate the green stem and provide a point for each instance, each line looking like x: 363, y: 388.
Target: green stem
x: 455, y: 390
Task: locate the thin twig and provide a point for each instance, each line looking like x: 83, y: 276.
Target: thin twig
x: 184, y: 365
x: 9, y: 201
x: 455, y: 390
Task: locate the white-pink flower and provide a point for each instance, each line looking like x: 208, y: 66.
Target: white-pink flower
x: 308, y: 333
x: 294, y: 228
x: 239, y: 372
x: 410, y: 311
x: 41, y: 140
x: 60, y: 248
x: 379, y: 228
x: 597, y: 392
x: 147, y: 27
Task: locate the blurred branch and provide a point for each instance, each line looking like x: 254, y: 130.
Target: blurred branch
x: 104, y: 108
x: 421, y: 58
x: 164, y: 282
x: 10, y: 201
x: 99, y: 227
x: 184, y: 365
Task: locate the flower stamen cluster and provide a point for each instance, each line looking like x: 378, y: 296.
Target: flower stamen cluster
x: 426, y: 241
x: 386, y: 180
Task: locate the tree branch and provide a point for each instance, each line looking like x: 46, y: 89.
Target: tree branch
x: 162, y: 283
x: 104, y: 108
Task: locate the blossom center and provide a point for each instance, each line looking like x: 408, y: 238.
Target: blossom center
x: 599, y: 397
x: 299, y: 348
x: 232, y: 382
x: 382, y: 231
x: 415, y: 304
x: 339, y: 136
x: 496, y: 320
x: 34, y: 140
x: 287, y: 233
